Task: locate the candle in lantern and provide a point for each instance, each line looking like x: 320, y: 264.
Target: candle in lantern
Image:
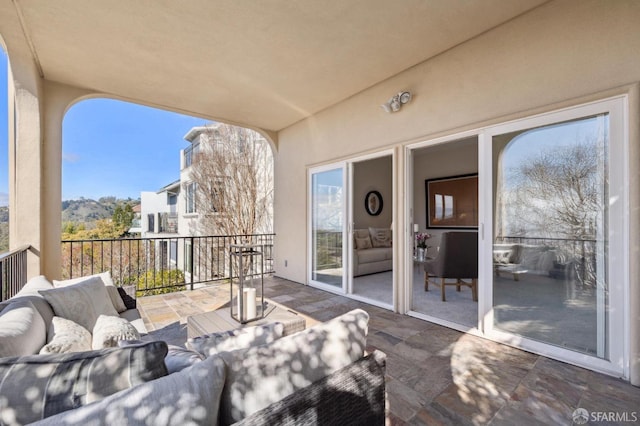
x: 248, y: 310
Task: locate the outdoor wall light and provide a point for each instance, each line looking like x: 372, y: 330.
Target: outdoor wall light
x: 395, y: 103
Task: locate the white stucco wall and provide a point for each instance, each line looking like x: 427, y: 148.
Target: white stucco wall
x: 561, y: 54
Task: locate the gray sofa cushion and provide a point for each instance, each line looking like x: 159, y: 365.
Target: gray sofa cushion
x: 177, y: 359
x: 22, y: 329
x: 262, y: 375
x: 133, y: 316
x: 190, y: 397
x: 37, y: 386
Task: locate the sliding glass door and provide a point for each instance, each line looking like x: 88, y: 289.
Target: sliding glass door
x: 557, y: 240
x: 328, y: 227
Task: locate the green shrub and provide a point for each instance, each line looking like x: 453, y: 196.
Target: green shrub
x: 156, y: 282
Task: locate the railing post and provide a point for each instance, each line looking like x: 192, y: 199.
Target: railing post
x: 191, y: 263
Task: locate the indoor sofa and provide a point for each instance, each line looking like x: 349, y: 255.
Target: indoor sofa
x: 373, y: 251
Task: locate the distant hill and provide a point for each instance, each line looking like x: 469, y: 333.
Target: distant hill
x: 86, y: 210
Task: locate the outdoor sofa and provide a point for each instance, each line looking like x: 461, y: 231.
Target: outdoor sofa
x: 249, y: 376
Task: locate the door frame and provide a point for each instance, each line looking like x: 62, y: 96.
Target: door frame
x: 348, y: 226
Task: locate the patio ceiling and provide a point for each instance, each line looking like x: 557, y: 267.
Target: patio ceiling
x: 266, y: 64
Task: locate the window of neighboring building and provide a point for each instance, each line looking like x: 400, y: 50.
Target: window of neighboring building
x: 151, y: 220
x: 191, y: 153
x: 173, y: 251
x: 188, y: 257
x: 191, y: 197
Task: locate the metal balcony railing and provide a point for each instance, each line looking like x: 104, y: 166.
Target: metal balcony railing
x: 577, y: 257
x: 13, y: 272
x: 159, y: 265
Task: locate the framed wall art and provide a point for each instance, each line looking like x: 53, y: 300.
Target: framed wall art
x: 373, y: 203
x: 452, y: 202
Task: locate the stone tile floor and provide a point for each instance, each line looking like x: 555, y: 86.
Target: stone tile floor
x: 435, y: 375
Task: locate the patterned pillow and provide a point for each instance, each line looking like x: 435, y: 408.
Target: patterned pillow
x: 112, y: 290
x: 109, y: 330
x: 363, y: 243
x: 240, y: 338
x: 66, y: 336
x: 380, y: 237
x: 37, y: 386
x: 190, y: 397
x: 82, y: 303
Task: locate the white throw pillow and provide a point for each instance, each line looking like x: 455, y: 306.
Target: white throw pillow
x: 66, y: 336
x: 82, y: 303
x: 240, y: 338
x: 262, y: 375
x: 109, y: 330
x: 112, y: 290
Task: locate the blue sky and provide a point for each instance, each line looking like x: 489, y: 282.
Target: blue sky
x: 116, y: 148
x: 110, y: 147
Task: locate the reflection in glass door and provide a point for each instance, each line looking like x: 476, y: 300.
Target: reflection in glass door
x: 327, y: 227
x: 550, y: 234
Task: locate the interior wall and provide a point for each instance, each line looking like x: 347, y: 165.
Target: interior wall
x: 373, y: 175
x: 449, y: 159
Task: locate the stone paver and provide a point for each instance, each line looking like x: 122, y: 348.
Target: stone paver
x: 435, y: 375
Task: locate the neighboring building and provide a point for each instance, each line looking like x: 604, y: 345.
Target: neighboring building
x: 159, y: 211
x: 207, y: 139
x: 172, y: 212
x: 136, y: 224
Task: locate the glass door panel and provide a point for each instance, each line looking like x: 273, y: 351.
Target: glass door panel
x: 550, y: 234
x: 328, y: 227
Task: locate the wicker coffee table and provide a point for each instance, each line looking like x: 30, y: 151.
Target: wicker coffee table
x: 220, y: 320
